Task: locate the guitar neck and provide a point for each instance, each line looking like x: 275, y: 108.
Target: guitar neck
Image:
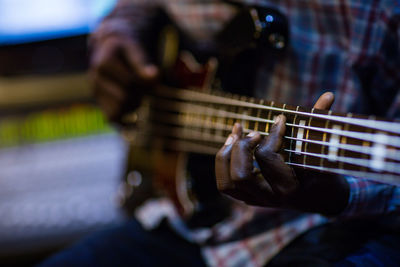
x: 321, y: 140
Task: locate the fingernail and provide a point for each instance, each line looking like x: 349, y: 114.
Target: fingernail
x: 151, y: 70
x: 278, y: 119
x: 251, y: 134
x: 236, y: 125
x: 229, y: 141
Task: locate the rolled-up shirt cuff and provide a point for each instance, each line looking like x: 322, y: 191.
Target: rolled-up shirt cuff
x: 368, y: 198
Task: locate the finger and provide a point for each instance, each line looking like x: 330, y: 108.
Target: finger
x: 108, y: 87
x: 110, y: 107
x: 250, y: 187
x: 222, y: 169
x: 222, y: 165
x: 114, y: 69
x: 325, y: 101
x: 105, y: 52
x: 237, y: 130
x: 274, y: 141
x: 105, y: 62
x: 255, y: 191
x: 139, y: 62
x: 242, y: 156
x: 280, y: 176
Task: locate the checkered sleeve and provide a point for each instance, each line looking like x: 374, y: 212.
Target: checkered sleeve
x: 126, y: 17
x: 198, y: 19
x: 392, y: 60
x: 368, y: 198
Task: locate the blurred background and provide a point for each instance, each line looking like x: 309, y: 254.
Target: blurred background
x: 60, y: 162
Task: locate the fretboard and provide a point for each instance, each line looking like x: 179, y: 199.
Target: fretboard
x: 345, y: 144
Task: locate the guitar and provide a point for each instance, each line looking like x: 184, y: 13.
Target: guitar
x: 173, y: 123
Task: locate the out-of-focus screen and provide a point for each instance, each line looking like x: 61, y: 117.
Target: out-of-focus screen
x: 35, y: 20
x: 60, y: 161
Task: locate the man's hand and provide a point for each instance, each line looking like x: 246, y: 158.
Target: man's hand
x: 120, y: 68
x: 275, y: 184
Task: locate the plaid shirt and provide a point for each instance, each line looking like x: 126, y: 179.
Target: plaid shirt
x: 348, y: 47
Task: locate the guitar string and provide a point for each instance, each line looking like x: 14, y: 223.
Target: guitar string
x: 196, y: 135
x: 379, y: 177
x: 390, y: 166
x: 196, y: 122
x: 386, y: 178
x: 189, y: 108
x: 190, y: 95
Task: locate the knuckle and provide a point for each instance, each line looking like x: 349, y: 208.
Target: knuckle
x: 243, y: 144
x: 287, y: 191
x: 223, y: 187
x: 221, y: 155
x: 240, y: 176
x: 264, y: 153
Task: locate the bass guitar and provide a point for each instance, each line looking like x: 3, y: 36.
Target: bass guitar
x: 173, y: 123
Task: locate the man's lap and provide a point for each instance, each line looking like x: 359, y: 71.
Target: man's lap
x: 351, y: 243
x: 363, y: 242
x: 130, y: 245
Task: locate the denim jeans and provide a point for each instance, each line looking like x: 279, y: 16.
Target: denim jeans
x: 363, y: 242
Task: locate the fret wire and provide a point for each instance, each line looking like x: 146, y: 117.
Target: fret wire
x: 208, y: 120
x: 395, y: 155
x: 256, y: 124
x: 321, y: 163
x: 343, y: 140
x: 307, y: 134
x: 283, y: 108
x: 394, y: 140
x: 202, y: 97
x: 269, y: 118
x: 291, y: 140
x: 365, y: 143
x: 392, y: 167
x: 229, y: 120
x: 252, y: 112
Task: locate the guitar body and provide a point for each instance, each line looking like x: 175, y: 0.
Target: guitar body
x: 162, y: 167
